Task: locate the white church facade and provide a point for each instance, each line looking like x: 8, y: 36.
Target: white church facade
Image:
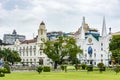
x: 95, y: 47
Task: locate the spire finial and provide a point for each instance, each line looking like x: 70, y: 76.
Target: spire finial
x: 82, y: 35
x: 104, y: 32
x: 83, y: 20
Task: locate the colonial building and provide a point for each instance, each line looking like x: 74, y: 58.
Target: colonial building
x: 11, y: 38
x: 95, y: 46
x: 31, y: 50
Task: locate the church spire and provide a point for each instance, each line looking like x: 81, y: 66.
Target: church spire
x: 104, y: 32
x: 82, y: 35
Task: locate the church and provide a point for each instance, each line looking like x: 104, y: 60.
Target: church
x: 95, y: 46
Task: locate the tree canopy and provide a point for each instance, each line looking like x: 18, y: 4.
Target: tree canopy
x: 10, y: 55
x: 62, y: 48
x: 114, y: 47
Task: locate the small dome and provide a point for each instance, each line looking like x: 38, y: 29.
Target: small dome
x: 42, y: 23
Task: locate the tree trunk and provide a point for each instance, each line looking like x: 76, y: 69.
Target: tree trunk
x: 55, y: 65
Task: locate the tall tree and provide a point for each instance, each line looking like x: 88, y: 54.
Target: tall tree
x: 61, y: 48
x: 114, y: 47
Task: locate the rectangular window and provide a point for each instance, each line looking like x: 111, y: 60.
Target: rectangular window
x: 94, y: 54
x: 101, y: 44
x: 101, y: 49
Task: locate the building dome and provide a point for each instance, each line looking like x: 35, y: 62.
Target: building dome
x: 42, y: 23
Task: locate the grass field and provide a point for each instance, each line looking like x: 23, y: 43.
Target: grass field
x: 79, y: 75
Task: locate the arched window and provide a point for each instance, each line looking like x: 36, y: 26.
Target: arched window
x: 90, y: 51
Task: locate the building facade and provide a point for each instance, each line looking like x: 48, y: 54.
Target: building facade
x: 95, y: 46
x: 31, y: 51
x: 11, y: 38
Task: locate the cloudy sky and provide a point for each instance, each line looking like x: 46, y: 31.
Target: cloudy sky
x: 59, y: 15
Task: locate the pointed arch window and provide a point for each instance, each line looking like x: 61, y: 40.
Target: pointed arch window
x: 90, y: 50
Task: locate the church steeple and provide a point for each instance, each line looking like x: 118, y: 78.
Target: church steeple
x: 104, y: 32
x: 82, y: 35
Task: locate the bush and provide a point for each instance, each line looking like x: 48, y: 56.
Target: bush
x: 46, y: 69
x: 2, y: 74
x: 2, y: 70
x: 77, y: 66
x: 117, y: 68
x: 6, y: 66
x: 90, y: 68
x: 104, y: 68
x: 39, y: 69
x: 83, y: 66
x: 64, y: 68
x: 101, y: 67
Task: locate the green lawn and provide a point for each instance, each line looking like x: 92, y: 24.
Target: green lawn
x: 79, y: 75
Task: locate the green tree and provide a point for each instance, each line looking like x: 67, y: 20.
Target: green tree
x: 14, y: 57
x: 10, y: 55
x: 0, y: 42
x: 1, y: 54
x: 61, y: 48
x: 114, y: 47
x: 39, y: 69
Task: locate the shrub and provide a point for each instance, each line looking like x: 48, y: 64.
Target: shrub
x: 101, y: 67
x: 77, y: 66
x: 2, y: 72
x: 46, y: 68
x: 117, y: 68
x: 83, y: 66
x: 64, y: 68
x: 90, y: 68
x: 39, y: 69
x: 7, y: 67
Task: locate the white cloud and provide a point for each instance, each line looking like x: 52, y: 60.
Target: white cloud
x: 65, y: 15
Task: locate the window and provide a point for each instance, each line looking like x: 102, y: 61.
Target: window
x: 30, y: 50
x: 20, y: 51
x: 94, y: 63
x: 101, y: 49
x: 30, y: 60
x: 101, y: 60
x: 94, y: 49
x: 34, y: 60
x: 85, y: 55
x: 40, y: 52
x: 34, y: 50
x: 26, y: 60
x: 101, y: 44
x: 27, y: 50
x: 101, y: 55
x: 94, y: 54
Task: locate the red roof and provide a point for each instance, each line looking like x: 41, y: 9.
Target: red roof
x: 29, y: 41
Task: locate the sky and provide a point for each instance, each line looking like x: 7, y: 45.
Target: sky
x: 25, y: 16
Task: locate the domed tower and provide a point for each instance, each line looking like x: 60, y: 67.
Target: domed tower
x: 42, y: 33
